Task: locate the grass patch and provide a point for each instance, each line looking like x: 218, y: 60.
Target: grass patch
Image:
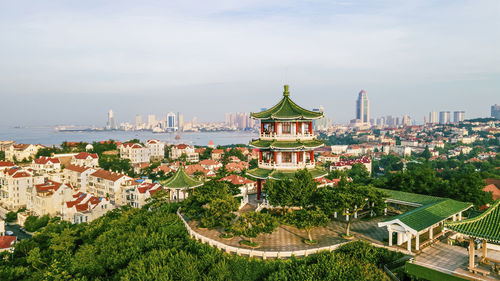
x: 429, y: 274
x: 250, y: 244
x: 226, y: 236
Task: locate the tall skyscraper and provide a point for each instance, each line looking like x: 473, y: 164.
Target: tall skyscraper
x: 138, y: 120
x: 322, y: 123
x: 171, y: 123
x: 495, y: 111
x: 444, y: 117
x: 433, y: 117
x: 111, y: 124
x: 458, y: 116
x: 180, y: 120
x: 363, y: 107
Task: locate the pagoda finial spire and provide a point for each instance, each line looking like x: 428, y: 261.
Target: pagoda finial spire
x: 286, y: 93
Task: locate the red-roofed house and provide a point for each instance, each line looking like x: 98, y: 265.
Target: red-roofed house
x: 191, y: 169
x: 347, y: 164
x: 85, y: 159
x: 14, y: 184
x: 217, y: 154
x: 7, y: 243
x: 22, y: 151
x: 6, y: 165
x: 245, y: 185
x: 47, y: 198
x: 211, y: 164
x: 495, y: 191
x: 77, y: 176
x: 137, y: 195
x: 237, y: 167
x: 178, y: 150
x: 156, y: 149
x: 45, y: 165
x: 324, y: 182
x: 85, y: 207
x: 135, y: 152
x: 104, y: 183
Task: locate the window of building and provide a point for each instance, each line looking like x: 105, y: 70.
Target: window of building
x: 286, y: 157
x: 286, y: 128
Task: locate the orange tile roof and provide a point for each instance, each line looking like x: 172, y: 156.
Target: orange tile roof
x: 107, y: 175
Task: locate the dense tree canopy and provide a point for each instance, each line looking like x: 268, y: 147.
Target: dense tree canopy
x: 152, y: 244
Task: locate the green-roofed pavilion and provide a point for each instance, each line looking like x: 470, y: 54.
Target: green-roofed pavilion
x: 430, y: 211
x: 180, y: 181
x: 486, y: 227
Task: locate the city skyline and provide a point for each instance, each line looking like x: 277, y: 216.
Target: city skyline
x: 199, y: 61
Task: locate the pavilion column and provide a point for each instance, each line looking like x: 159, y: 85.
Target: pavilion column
x: 431, y: 233
x: 390, y: 235
x: 417, y: 241
x: 471, y: 252
x: 400, y: 238
x: 178, y: 193
x: 259, y: 188
x: 460, y: 216
x: 409, y: 241
x: 355, y: 214
x: 297, y: 128
x: 275, y: 127
x: 184, y: 194
x: 484, y: 248
x: 385, y: 212
x: 260, y: 156
x: 454, y: 217
x: 335, y: 214
x: 261, y: 128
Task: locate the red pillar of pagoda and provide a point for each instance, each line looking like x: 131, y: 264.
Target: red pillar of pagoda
x: 261, y: 127
x: 275, y: 127
x: 259, y: 188
x: 260, y: 156
x: 297, y: 128
x: 310, y: 127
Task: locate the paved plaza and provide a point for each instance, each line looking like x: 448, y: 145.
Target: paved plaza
x: 452, y: 260
x: 288, y: 238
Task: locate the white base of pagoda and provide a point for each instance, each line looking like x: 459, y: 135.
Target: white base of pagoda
x: 287, y: 166
x: 286, y: 137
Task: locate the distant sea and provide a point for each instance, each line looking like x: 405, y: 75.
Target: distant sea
x: 48, y: 136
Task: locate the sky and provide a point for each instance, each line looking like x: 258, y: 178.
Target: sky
x: 69, y: 62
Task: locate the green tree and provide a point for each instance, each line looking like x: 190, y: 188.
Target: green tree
x: 307, y: 219
x: 251, y: 224
x: 11, y: 216
x: 2, y: 155
x: 426, y: 154
x: 359, y: 174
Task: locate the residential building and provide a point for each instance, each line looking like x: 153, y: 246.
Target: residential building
x: 77, y: 176
x: 156, y: 149
x: 458, y: 116
x: 138, y: 195
x: 495, y: 111
x: 217, y: 154
x: 47, y: 198
x: 135, y: 152
x: 178, y: 150
x: 245, y: 185
x: 348, y: 163
x: 211, y: 164
x: 433, y: 117
x: 111, y: 185
x: 19, y: 152
x: 14, y: 184
x: 85, y: 159
x: 45, y: 165
x: 85, y: 207
x: 444, y: 117
x: 4, y: 145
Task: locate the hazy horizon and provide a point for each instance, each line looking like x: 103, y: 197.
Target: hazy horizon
x: 69, y: 62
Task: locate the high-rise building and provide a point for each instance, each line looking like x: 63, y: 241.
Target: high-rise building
x: 111, y: 124
x: 180, y: 120
x: 406, y: 120
x: 363, y: 107
x: 151, y: 121
x: 321, y: 123
x: 170, y: 121
x: 444, y: 117
x: 495, y: 111
x: 433, y: 117
x: 138, y: 120
x: 458, y: 116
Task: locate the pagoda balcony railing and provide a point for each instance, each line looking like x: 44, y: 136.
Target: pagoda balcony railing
x: 273, y: 136
x: 286, y: 166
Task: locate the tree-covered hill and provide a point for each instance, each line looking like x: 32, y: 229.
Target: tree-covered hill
x: 142, y: 244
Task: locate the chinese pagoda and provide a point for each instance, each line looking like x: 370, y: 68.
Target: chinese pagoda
x: 286, y: 143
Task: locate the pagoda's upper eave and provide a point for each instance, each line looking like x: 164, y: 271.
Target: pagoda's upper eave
x: 293, y: 118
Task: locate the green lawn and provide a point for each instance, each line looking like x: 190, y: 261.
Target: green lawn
x: 429, y: 274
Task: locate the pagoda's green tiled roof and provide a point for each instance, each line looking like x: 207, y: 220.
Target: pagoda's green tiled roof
x: 430, y: 214
x: 259, y: 173
x: 486, y: 225
x: 286, y: 109
x: 298, y: 144
x: 181, y: 180
x: 410, y: 197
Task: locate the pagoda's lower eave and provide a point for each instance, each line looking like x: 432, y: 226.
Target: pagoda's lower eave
x: 264, y: 174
